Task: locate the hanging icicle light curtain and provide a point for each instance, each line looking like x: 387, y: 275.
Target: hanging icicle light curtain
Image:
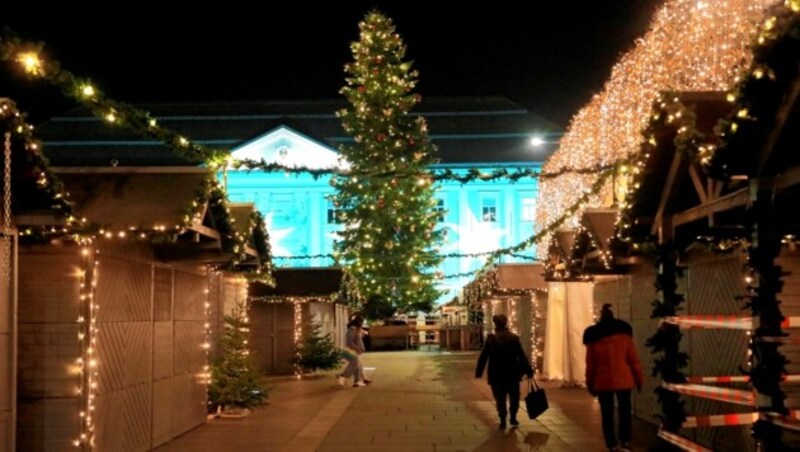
x: 691, y: 46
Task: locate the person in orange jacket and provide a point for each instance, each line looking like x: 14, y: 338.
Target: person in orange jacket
x: 612, y: 369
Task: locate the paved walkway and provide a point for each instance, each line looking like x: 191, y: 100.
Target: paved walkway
x: 419, y: 401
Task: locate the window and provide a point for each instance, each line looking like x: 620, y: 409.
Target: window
x: 528, y: 209
x: 333, y: 214
x: 440, y: 210
x: 489, y: 208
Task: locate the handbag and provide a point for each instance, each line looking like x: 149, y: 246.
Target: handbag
x: 535, y: 400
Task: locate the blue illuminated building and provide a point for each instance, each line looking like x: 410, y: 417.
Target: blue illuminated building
x: 475, y: 132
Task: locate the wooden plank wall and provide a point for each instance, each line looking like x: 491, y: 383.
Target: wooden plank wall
x: 272, y: 336
x: 151, y: 327
x: 49, y: 306
x: 7, y: 345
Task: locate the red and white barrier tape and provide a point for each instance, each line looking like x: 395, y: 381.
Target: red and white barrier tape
x: 681, y: 442
x: 738, y: 379
x: 718, y: 420
x: 711, y: 321
x: 713, y: 393
x: 791, y: 322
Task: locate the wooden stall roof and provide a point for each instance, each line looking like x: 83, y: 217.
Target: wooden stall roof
x: 299, y: 282
x: 465, y: 127
x: 521, y: 276
x: 673, y: 185
x: 123, y: 197
x: 240, y: 215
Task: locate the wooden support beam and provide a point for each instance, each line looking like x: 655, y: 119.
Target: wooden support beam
x: 738, y: 198
x: 676, y: 172
x: 205, y: 231
x: 698, y: 184
x: 788, y: 178
x: 38, y: 219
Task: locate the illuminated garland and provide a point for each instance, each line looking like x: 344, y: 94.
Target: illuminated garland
x: 263, y: 272
x: 568, y: 213
x: 143, y: 123
x: 139, y: 121
x: 12, y: 120
x: 12, y: 48
x: 437, y: 175
x: 273, y: 299
x: 760, y: 91
x: 690, y: 46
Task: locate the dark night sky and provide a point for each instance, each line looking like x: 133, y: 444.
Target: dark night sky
x: 549, y: 56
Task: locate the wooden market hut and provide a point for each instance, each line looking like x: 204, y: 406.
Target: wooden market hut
x: 114, y: 285
x: 697, y: 225
x: 280, y: 315
x: 520, y: 292
x: 150, y: 318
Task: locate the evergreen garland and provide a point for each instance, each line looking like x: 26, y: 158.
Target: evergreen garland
x: 768, y: 365
x: 760, y: 92
x: 667, y: 338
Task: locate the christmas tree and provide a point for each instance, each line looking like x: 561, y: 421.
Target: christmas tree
x: 235, y: 381
x: 388, y: 245
x: 317, y: 351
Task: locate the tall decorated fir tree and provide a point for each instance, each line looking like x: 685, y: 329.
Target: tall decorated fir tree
x: 388, y: 245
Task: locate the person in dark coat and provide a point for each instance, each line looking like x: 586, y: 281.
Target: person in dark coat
x: 507, y: 365
x: 612, y: 369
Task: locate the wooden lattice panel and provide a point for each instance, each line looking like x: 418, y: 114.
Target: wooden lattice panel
x: 713, y: 284
x: 190, y: 296
x: 125, y: 352
x: 189, y: 354
x: 189, y: 403
x: 123, y: 290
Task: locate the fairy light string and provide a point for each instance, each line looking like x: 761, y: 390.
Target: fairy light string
x: 690, y: 46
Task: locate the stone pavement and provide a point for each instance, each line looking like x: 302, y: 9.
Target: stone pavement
x: 419, y: 401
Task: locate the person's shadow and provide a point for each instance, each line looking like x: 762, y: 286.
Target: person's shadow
x: 514, y: 440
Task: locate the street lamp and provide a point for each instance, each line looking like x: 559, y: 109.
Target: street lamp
x: 537, y: 141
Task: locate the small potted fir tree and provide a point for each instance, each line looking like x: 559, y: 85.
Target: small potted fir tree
x: 317, y: 351
x: 236, y: 385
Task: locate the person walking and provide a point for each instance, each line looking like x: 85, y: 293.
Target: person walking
x: 612, y: 370
x: 354, y: 342
x: 507, y: 365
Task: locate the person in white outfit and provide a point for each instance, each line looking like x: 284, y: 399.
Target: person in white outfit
x: 355, y: 344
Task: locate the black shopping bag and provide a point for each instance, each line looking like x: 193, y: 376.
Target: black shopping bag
x: 535, y: 400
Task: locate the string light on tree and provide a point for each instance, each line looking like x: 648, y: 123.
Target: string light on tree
x: 389, y: 241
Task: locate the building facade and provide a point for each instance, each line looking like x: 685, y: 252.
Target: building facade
x: 476, y: 133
